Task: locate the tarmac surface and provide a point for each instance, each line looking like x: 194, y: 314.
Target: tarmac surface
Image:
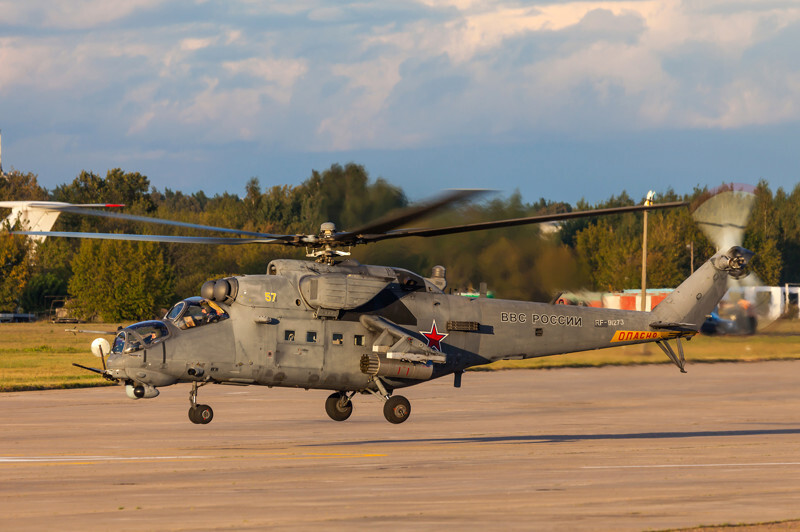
x: 616, y: 448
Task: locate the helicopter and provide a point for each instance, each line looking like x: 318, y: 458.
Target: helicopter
x: 334, y: 324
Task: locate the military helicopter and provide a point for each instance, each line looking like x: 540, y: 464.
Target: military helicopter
x: 337, y: 325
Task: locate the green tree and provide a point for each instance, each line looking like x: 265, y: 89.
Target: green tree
x: 344, y: 196
x: 87, y: 187
x: 613, y: 255
x: 20, y: 186
x: 120, y: 280
x: 762, y: 237
x: 130, y: 189
x: 788, y: 212
x: 35, y: 296
x: 15, y: 270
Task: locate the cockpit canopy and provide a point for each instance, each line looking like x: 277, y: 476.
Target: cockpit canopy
x: 195, y: 312
x: 139, y: 336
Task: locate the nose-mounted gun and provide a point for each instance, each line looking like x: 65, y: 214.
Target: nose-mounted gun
x: 734, y: 261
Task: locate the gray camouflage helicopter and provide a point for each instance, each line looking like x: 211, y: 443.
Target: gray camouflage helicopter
x: 352, y: 329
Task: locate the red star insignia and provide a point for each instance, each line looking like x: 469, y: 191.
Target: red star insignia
x: 434, y: 337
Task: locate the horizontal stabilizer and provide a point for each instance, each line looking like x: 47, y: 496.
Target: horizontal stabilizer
x: 672, y: 326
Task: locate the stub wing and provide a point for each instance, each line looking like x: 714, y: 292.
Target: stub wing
x: 396, y: 343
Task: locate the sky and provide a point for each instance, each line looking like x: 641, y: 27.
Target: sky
x: 558, y: 100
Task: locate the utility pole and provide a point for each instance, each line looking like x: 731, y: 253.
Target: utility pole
x: 647, y: 202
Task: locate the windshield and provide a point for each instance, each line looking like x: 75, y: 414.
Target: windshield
x: 141, y: 335
x: 196, y: 312
x: 119, y: 343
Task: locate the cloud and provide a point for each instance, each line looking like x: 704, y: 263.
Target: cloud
x: 72, y: 14
x: 309, y: 76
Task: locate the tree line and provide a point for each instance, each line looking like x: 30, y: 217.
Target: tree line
x: 124, y: 281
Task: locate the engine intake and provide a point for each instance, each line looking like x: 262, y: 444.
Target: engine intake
x: 222, y: 290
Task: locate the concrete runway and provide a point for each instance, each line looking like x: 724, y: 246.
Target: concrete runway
x: 630, y: 448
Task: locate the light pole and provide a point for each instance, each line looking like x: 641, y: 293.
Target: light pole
x: 647, y: 202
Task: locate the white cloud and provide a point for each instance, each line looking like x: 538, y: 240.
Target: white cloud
x: 673, y: 99
x: 277, y: 76
x: 70, y: 14
x: 311, y: 76
x: 193, y: 43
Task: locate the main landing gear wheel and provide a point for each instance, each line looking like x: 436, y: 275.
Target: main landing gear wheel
x: 396, y: 409
x: 201, y: 414
x: 338, y: 406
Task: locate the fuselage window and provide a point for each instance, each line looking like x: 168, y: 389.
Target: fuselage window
x: 311, y: 336
x: 288, y: 336
x: 338, y: 339
x: 358, y: 339
x: 176, y: 310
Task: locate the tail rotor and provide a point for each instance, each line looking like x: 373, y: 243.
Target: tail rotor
x: 723, y: 218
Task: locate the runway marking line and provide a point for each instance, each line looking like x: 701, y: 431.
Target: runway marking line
x: 666, y: 466
x: 84, y: 460
x: 87, y: 459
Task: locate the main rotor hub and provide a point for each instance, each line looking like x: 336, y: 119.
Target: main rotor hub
x: 734, y: 261
x: 327, y: 229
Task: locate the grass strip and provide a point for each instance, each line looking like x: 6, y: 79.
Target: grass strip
x: 39, y: 356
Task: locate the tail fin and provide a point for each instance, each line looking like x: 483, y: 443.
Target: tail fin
x: 39, y: 215
x: 722, y: 217
x: 690, y: 303
x: 30, y: 216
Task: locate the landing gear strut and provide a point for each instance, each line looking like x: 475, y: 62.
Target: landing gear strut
x: 339, y: 406
x: 199, y: 414
x: 396, y: 408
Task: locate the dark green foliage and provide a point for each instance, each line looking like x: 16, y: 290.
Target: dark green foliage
x: 19, y: 186
x: 763, y: 234
x: 16, y: 266
x: 15, y: 270
x: 130, y: 281
x: 40, y: 291
x: 120, y: 280
x: 612, y: 246
x: 515, y: 262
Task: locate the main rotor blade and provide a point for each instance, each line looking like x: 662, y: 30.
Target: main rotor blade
x: 53, y: 205
x: 162, y: 221
x: 405, y: 216
x: 480, y: 226
x: 159, y: 238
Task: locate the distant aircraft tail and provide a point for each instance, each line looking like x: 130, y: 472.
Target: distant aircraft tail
x: 40, y: 215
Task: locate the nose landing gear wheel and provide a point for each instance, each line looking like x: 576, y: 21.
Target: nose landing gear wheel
x: 338, y: 406
x: 396, y: 409
x: 201, y: 414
